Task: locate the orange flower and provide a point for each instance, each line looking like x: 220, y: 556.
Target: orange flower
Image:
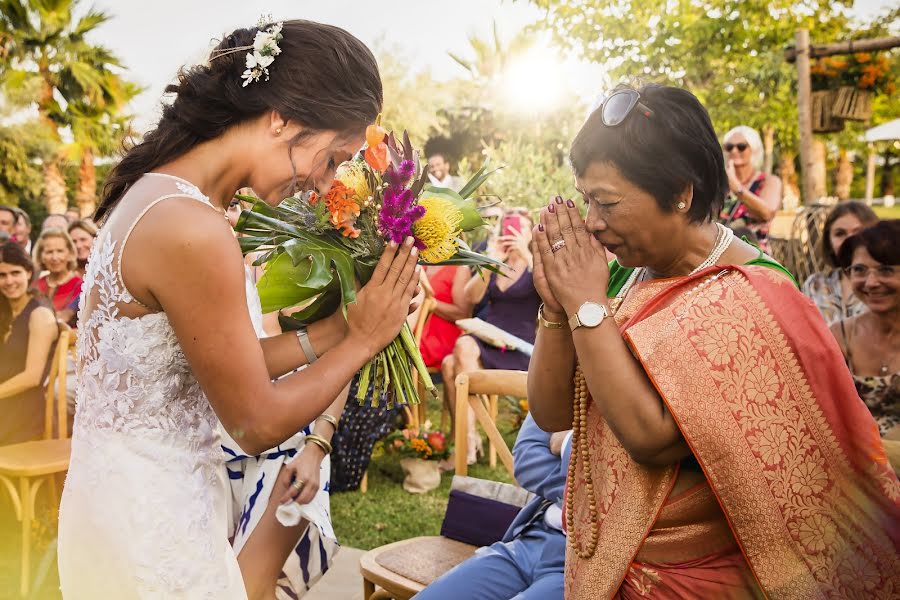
x: 377, y: 157
x: 343, y: 209
x: 421, y: 446
x: 863, y: 57
x: 375, y: 135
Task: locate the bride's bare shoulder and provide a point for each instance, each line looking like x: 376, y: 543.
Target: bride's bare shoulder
x: 182, y: 235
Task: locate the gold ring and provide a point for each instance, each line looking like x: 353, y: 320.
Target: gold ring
x: 558, y: 245
x: 298, y: 484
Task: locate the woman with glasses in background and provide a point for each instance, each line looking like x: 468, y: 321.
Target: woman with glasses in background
x: 831, y: 289
x: 871, y: 341
x: 754, y: 196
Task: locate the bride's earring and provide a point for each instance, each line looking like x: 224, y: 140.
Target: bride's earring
x: 681, y: 205
x: 278, y: 131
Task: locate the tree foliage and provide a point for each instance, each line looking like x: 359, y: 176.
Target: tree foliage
x: 78, y: 87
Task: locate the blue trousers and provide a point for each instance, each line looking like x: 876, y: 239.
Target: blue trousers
x: 530, y: 567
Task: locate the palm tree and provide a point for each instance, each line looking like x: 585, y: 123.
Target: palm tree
x: 70, y: 80
x: 98, y: 130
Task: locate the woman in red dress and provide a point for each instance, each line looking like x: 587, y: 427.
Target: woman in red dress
x: 440, y: 331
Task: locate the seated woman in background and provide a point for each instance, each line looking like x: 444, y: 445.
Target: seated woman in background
x: 55, y: 253
x: 754, y: 196
x: 512, y: 305
x: 28, y: 331
x: 440, y: 333
x: 82, y: 233
x: 871, y: 341
x: 831, y: 290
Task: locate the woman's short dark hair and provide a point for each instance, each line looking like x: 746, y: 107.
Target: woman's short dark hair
x: 882, y: 240
x: 324, y: 79
x: 860, y: 210
x: 663, y: 154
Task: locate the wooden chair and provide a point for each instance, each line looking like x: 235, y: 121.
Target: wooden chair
x: 480, y: 391
x: 426, y: 558
x: 800, y: 248
x: 31, y: 464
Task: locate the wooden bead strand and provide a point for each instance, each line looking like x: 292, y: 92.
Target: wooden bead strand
x: 581, y: 452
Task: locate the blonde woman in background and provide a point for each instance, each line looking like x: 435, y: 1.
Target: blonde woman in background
x: 56, y: 258
x: 754, y: 196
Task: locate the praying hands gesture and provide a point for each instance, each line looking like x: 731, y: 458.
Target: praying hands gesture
x: 570, y: 265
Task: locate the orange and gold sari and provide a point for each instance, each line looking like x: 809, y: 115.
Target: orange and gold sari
x: 798, y: 500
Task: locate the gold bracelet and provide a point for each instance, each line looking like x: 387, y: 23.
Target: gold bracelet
x: 545, y: 323
x: 328, y: 419
x: 319, y: 441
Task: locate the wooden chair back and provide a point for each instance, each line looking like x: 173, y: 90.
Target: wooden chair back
x: 55, y: 396
x: 800, y: 251
x: 471, y: 388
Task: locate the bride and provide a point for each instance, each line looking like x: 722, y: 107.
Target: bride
x: 164, y: 313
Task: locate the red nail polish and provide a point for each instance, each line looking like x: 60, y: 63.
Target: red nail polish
x: 559, y: 199
x: 570, y: 204
x: 540, y: 227
x: 551, y: 208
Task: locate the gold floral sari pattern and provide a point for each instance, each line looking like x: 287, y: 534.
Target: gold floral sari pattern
x: 734, y: 385
x: 629, y: 496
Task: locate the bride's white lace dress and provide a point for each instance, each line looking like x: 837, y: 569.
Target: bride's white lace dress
x: 144, y: 511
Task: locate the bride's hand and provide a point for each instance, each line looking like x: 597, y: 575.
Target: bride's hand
x: 305, y: 468
x: 383, y: 304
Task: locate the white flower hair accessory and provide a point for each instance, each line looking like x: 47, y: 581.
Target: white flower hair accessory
x: 264, y: 50
x: 261, y: 54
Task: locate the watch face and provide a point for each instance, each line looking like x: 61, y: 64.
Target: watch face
x: 591, y: 314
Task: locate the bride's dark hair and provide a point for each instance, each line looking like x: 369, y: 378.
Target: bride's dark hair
x: 324, y: 79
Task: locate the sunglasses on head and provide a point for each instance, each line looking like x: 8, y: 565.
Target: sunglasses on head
x: 618, y: 105
x: 741, y: 147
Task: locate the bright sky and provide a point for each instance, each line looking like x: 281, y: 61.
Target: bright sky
x: 155, y: 37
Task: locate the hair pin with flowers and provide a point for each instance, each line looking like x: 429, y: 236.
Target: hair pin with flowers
x: 262, y: 52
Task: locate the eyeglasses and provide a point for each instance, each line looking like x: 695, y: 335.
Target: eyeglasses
x: 618, y: 105
x: 882, y: 272
x: 741, y: 147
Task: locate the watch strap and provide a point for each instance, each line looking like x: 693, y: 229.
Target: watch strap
x: 303, y: 338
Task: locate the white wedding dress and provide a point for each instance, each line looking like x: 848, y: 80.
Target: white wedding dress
x: 144, y: 510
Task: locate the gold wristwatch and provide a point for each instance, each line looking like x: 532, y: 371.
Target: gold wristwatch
x: 589, y: 314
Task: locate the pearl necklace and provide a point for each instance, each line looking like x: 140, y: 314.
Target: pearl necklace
x: 724, y: 237
x: 580, y: 448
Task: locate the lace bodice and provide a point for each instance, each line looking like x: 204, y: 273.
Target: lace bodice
x: 133, y: 373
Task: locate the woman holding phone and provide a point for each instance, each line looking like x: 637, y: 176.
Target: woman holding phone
x: 512, y: 305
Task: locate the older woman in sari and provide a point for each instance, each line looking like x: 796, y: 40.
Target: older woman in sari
x: 719, y: 448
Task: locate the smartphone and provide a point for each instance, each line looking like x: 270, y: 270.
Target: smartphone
x: 510, y: 224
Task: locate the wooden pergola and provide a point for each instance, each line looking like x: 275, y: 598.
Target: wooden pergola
x: 802, y: 52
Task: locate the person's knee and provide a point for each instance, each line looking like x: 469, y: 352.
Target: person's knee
x: 465, y: 349
x: 448, y: 367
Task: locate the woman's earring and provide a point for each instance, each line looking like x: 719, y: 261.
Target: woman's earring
x: 278, y: 131
x: 681, y: 205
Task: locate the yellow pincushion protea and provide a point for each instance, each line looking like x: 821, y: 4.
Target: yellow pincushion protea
x: 352, y: 174
x: 438, y: 230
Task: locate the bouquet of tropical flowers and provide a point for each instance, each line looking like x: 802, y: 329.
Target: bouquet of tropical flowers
x: 314, y: 249
x: 418, y: 443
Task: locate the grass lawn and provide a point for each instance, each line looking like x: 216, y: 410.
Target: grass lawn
x: 387, y: 513
x: 887, y: 213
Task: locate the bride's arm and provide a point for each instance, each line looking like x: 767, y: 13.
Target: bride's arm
x: 191, y: 256
x: 283, y: 354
